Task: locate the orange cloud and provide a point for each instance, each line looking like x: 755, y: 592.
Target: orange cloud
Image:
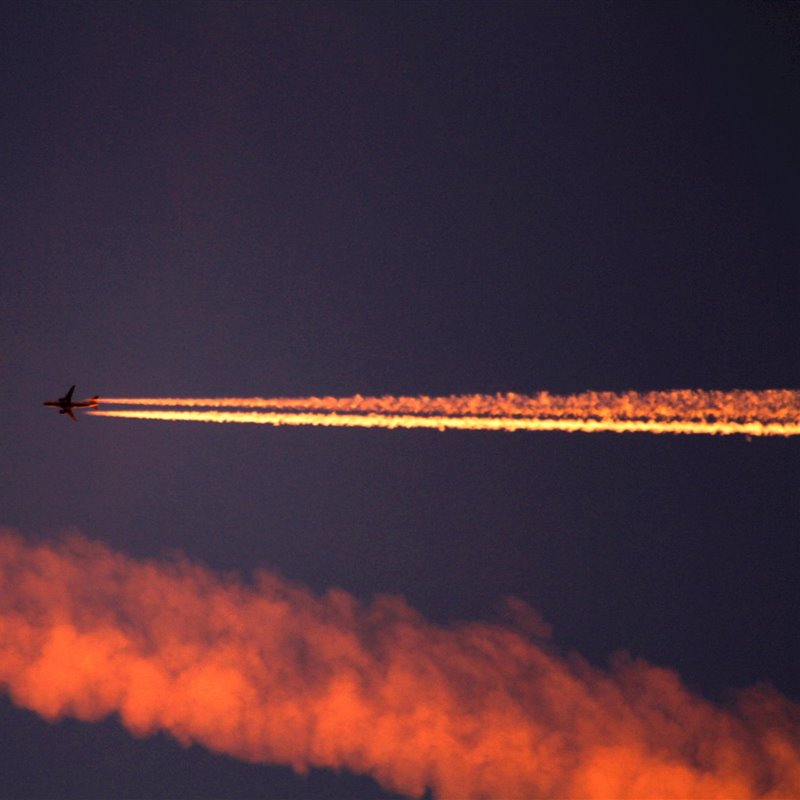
x: 270, y: 672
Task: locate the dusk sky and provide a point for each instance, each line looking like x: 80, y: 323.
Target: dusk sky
x: 300, y: 199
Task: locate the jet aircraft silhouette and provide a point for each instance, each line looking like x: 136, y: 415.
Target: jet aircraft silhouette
x: 66, y: 403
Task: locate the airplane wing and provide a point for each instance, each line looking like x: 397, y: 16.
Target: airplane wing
x: 72, y: 416
x: 68, y: 395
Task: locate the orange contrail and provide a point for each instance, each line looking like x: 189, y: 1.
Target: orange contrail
x: 461, y: 423
x: 267, y: 671
x: 766, y: 413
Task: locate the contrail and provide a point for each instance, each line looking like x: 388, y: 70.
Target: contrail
x: 267, y: 671
x: 766, y: 413
x: 460, y: 423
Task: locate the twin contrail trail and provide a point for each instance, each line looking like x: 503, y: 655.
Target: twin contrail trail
x: 774, y: 412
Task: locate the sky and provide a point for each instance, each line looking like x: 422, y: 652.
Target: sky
x: 328, y: 199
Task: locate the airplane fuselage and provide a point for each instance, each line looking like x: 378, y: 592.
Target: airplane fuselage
x: 65, y: 404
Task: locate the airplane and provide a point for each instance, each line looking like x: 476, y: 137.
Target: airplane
x: 66, y: 403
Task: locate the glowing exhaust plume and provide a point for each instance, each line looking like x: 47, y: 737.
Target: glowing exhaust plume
x: 766, y: 413
x: 269, y: 672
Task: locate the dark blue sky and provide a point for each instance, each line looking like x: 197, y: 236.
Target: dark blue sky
x: 409, y: 198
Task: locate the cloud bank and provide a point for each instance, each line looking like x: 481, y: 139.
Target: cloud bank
x: 267, y: 671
